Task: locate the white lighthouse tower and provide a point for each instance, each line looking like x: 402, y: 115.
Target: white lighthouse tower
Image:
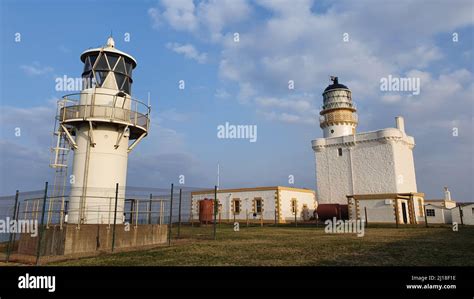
x: 338, y: 113
x: 102, y: 124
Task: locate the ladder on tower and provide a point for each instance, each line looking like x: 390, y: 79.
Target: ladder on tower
x: 59, y: 162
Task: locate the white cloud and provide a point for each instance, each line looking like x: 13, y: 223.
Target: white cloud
x: 286, y: 117
x: 180, y: 14
x: 36, y: 69
x: 189, y: 51
x: 419, y: 57
x: 391, y: 98
x: 294, y: 109
x: 208, y: 17
x: 298, y: 105
x: 285, y: 7
x: 35, y: 124
x: 222, y: 94
x: 155, y: 17
x: 172, y: 115
x: 216, y: 14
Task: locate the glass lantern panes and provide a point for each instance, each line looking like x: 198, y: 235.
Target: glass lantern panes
x: 100, y: 77
x: 92, y: 59
x: 120, y: 67
x: 129, y: 67
x: 87, y: 80
x: 112, y: 58
x: 87, y: 64
x: 102, y: 64
x: 120, y: 79
x: 127, y: 86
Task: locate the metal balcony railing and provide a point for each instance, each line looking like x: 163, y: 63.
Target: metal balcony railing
x: 115, y: 110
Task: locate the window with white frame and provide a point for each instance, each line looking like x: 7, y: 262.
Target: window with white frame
x: 236, y: 206
x: 294, y: 206
x: 258, y: 205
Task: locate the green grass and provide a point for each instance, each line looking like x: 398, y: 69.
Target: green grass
x: 303, y: 246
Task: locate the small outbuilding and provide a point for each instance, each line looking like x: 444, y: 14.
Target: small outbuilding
x: 276, y: 204
x: 437, y: 214
x: 467, y: 212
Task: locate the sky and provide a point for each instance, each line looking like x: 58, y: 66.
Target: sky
x: 237, y: 58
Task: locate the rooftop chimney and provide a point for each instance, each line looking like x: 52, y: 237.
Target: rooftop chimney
x: 400, y: 123
x: 447, y: 194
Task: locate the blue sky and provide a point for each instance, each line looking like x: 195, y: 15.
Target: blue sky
x: 245, y: 83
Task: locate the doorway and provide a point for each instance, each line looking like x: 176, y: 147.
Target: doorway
x: 404, y: 213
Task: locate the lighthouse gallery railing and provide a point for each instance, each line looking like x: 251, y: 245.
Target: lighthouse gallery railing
x: 138, y: 115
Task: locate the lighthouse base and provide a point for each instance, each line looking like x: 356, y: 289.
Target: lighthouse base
x: 92, y: 238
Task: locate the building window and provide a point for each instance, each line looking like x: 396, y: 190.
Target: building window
x: 294, y: 206
x: 258, y: 205
x: 236, y: 206
x: 339, y: 152
x: 430, y: 212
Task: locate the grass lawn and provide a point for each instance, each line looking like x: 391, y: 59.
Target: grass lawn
x: 303, y: 246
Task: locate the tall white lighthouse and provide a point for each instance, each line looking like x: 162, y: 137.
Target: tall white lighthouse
x: 102, y: 124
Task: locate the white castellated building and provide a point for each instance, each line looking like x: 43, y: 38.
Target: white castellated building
x: 369, y: 163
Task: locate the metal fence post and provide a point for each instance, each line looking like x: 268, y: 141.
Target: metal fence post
x: 40, y: 235
x: 179, y: 213
x: 137, y: 208
x: 426, y: 219
x: 12, y: 234
x: 215, y: 210
x: 115, y: 216
x: 132, y: 206
x: 170, y: 223
x: 149, y: 209
x: 366, y: 221
x: 162, y: 207
x: 461, y: 215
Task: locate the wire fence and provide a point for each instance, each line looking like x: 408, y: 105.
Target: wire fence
x: 37, y: 225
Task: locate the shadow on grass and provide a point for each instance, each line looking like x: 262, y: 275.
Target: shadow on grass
x: 410, y: 246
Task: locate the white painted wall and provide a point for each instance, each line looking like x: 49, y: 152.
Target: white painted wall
x: 338, y: 130
x: 302, y: 199
x: 94, y: 179
x: 246, y: 208
x: 247, y: 199
x: 377, y: 211
x: 382, y: 210
x: 468, y: 214
x: 371, y: 163
x: 439, y: 217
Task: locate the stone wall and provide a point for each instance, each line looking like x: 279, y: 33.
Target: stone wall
x: 92, y: 238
